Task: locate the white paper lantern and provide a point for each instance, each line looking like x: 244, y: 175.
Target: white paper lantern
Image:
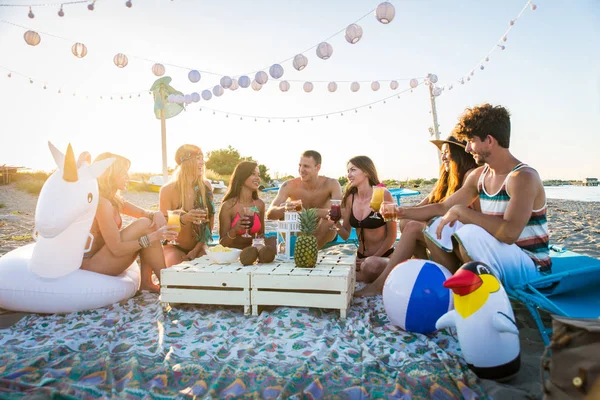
x: 487, y: 58
x: 261, y: 77
x: 324, y: 50
x: 120, y: 60
x: 394, y: 85
x: 284, y: 86
x: 432, y: 78
x: 226, y: 82
x: 437, y: 91
x: 194, y: 76
x: 300, y: 62
x: 355, y: 86
x: 512, y: 22
x: 256, y: 86
x: 234, y: 84
x: 187, y: 98
x: 218, y: 90
x: 375, y: 86
x: 206, y: 94
x: 195, y: 97
x: 158, y: 69
x: 32, y: 38
x: 308, y: 87
x: 276, y: 71
x: 414, y: 83
x: 79, y: 50
x: 481, y: 67
x: 385, y: 12
x: 502, y: 47
x: 179, y: 99
x: 171, y: 98
x: 533, y: 7
x: 353, y: 33
x: 332, y: 86
x: 244, y: 81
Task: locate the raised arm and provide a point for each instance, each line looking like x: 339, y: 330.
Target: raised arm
x: 276, y: 210
x: 157, y: 217
x: 524, y: 187
x: 391, y: 230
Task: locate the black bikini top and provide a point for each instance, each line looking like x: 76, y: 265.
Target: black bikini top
x: 367, y: 222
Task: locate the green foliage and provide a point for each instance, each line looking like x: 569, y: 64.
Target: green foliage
x: 223, y: 161
x: 32, y: 186
x: 286, y: 178
x: 213, y: 176
x: 343, y: 180
x: 390, y: 183
x: 556, y: 182
x: 2, y: 205
x: 264, y: 175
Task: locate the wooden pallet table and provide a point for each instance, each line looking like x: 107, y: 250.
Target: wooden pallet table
x: 329, y: 285
x: 203, y: 282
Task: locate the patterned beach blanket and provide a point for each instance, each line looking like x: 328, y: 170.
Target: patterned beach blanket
x: 137, y: 350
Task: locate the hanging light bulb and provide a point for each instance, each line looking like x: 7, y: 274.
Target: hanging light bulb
x: 481, y: 67
x: 487, y: 58
x: 9, y: 75
x: 533, y: 7
x: 91, y: 5
x: 61, y: 13
x: 128, y: 4
x: 30, y: 15
x: 45, y: 87
x: 512, y: 22
x: 504, y: 38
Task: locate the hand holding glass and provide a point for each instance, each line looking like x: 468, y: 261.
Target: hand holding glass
x: 200, y: 215
x: 376, y: 200
x: 293, y: 206
x: 388, y: 210
x: 174, y: 220
x: 335, y: 213
x: 249, y: 213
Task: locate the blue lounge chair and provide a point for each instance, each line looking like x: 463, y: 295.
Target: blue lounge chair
x: 398, y: 193
x: 571, y: 290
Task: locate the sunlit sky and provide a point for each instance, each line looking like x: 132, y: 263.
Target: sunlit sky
x: 548, y: 77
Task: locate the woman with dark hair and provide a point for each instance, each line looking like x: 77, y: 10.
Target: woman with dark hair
x: 376, y: 237
x: 457, y: 164
x: 190, y: 193
x: 242, y: 213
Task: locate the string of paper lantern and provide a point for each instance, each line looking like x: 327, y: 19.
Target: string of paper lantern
x: 384, y: 13
x: 60, y: 12
x: 298, y: 118
x: 500, y: 44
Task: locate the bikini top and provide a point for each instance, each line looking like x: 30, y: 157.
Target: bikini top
x: 367, y: 222
x: 256, y: 226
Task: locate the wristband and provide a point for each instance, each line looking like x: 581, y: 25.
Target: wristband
x: 232, y: 238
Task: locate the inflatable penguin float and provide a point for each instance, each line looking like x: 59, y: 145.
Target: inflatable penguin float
x: 484, y: 322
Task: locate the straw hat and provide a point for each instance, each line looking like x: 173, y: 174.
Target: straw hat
x: 450, y: 140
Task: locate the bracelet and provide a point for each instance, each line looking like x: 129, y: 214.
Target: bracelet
x: 232, y: 238
x: 144, y: 241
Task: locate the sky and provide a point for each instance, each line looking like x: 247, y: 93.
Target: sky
x: 548, y: 77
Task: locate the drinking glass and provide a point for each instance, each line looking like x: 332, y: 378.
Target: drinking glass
x: 249, y: 212
x: 205, y: 211
x: 293, y: 206
x: 376, y: 201
x: 389, y: 211
x: 335, y: 213
x: 174, y: 218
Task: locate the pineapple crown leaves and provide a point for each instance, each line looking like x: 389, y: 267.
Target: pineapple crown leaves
x: 308, y: 219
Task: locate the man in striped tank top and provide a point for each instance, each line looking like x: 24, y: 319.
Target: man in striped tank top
x: 510, y: 232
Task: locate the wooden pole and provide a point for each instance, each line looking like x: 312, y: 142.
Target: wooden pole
x: 163, y: 130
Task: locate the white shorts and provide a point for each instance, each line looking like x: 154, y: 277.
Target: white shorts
x: 511, y: 264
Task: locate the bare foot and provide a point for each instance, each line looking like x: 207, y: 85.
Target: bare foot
x: 369, y: 290
x: 150, y: 287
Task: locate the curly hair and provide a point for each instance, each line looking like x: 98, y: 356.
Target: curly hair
x: 481, y: 121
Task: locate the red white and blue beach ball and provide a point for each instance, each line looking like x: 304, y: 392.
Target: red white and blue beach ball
x: 414, y: 295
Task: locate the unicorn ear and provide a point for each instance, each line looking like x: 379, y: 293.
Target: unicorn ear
x: 59, y: 158
x: 85, y: 158
x: 97, y: 168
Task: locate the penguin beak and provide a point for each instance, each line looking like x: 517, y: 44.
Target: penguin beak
x: 463, y: 282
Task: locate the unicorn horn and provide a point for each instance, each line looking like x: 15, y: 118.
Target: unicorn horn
x: 70, y: 168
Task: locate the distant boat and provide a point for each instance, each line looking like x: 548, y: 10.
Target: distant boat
x: 218, y: 186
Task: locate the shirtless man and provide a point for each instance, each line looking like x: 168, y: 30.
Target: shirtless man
x: 313, y: 190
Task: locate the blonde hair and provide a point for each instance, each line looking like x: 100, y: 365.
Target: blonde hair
x: 106, y: 182
x: 186, y: 175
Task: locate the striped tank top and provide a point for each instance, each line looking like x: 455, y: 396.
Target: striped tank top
x: 534, y: 238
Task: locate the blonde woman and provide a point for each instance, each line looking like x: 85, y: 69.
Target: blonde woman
x: 115, y: 248
x: 192, y: 194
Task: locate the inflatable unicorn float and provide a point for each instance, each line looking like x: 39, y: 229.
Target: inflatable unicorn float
x: 44, y: 276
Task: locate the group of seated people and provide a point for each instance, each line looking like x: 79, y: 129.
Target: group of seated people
x: 493, y: 205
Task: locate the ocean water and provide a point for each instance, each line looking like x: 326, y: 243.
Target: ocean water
x: 581, y: 193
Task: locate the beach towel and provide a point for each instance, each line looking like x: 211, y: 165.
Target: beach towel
x: 136, y: 350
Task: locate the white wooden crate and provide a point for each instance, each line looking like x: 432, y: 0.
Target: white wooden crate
x: 203, y: 282
x: 330, y: 284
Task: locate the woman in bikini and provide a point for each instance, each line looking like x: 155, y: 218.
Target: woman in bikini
x: 191, y: 194
x: 115, y: 248
x: 376, y: 237
x: 242, y: 196
x: 456, y: 166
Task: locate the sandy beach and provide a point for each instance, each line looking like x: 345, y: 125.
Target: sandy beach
x: 573, y: 225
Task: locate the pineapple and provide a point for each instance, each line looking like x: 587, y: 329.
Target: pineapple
x: 305, y: 253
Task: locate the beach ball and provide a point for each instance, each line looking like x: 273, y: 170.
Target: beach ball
x: 414, y: 296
